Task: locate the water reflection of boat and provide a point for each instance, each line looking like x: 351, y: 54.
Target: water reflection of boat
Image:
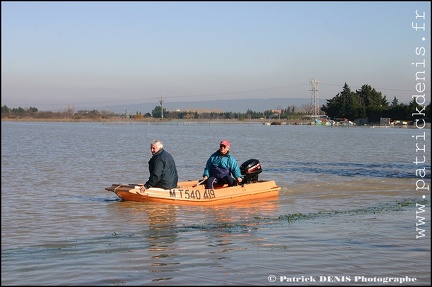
x: 159, y: 237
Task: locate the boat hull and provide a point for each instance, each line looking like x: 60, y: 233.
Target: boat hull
x: 189, y: 192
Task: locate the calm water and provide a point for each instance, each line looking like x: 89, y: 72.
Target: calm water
x: 345, y: 215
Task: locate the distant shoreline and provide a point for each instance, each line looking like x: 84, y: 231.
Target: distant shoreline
x: 203, y: 121
x: 157, y: 121
x: 145, y: 120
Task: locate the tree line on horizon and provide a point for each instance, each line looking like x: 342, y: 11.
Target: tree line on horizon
x: 369, y: 105
x: 365, y: 104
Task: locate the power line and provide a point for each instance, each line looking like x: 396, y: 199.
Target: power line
x: 378, y: 89
x: 151, y: 98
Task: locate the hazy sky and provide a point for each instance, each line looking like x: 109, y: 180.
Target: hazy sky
x: 57, y: 54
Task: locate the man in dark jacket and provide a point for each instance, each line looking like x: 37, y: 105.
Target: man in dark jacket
x: 162, y: 168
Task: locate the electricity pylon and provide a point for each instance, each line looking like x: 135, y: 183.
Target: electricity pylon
x: 161, y: 103
x: 314, y: 97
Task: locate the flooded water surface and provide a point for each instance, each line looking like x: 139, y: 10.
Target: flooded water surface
x: 349, y: 212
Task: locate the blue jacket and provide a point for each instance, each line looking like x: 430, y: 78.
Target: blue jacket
x: 163, y: 171
x: 225, y: 161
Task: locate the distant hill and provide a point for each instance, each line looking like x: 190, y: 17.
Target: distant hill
x: 235, y: 105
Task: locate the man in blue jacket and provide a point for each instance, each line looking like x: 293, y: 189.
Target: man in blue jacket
x: 222, y: 167
x: 162, y: 168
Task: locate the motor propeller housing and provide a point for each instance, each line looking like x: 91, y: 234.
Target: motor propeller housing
x: 250, y: 170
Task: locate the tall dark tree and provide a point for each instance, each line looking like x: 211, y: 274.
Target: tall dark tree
x: 374, y: 102
x: 364, y: 102
x: 157, y: 112
x: 339, y: 106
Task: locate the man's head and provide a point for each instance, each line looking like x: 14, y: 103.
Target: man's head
x: 156, y: 146
x: 224, y: 146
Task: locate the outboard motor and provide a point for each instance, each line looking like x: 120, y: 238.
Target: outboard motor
x: 250, y: 170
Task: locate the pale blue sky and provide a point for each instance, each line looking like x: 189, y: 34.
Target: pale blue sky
x: 57, y: 54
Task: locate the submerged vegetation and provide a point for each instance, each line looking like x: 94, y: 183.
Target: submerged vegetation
x: 386, y: 207
x: 296, y: 217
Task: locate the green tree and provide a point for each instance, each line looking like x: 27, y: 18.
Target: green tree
x: 339, y: 106
x: 428, y: 113
x: 157, y: 112
x: 364, y: 102
x: 5, y: 111
x: 398, y: 112
x: 375, y: 104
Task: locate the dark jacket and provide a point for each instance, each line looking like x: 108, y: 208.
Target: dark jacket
x: 163, y: 171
